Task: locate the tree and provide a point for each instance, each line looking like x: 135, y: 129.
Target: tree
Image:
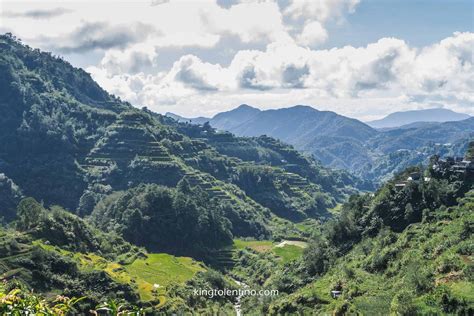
x: 207, y: 127
x: 408, y: 212
x: 29, y: 212
x: 470, y: 151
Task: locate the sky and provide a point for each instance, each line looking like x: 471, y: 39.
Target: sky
x: 359, y: 58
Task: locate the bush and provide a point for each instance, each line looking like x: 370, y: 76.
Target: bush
x: 402, y: 304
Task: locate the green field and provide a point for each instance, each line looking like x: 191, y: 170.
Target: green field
x: 336, y: 209
x: 288, y: 253
x: 161, y: 269
x: 150, y: 276
x: 257, y: 245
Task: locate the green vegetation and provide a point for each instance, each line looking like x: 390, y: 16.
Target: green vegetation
x: 403, y: 251
x: 165, y: 219
x: 108, y: 203
x: 18, y: 302
x: 288, y: 252
x: 65, y: 141
x: 257, y: 245
x: 345, y: 143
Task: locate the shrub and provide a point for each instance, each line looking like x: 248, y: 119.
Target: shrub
x: 402, y: 304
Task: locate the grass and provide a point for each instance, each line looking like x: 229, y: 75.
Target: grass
x: 336, y: 209
x: 158, y: 269
x: 288, y: 252
x: 464, y: 289
x: 163, y: 270
x: 307, y: 225
x: 257, y: 245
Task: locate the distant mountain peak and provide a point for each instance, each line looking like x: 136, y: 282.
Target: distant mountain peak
x: 245, y: 107
x: 182, y: 119
x: 398, y: 119
x: 304, y: 107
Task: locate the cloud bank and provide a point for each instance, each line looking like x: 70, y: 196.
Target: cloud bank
x: 202, y: 57
x: 390, y: 68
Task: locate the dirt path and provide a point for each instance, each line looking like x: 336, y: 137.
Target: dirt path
x: 301, y: 244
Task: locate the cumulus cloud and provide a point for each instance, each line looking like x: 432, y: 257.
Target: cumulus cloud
x: 388, y: 70
x: 193, y: 73
x: 169, y: 23
x: 134, y: 59
x: 250, y: 21
x: 162, y: 53
x: 321, y: 10
x: 314, y: 16
x: 313, y: 34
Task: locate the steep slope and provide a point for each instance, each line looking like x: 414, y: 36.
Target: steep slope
x: 406, y: 249
x: 398, y: 119
x: 426, y: 269
x: 348, y: 144
x: 56, y: 252
x: 65, y: 141
x: 327, y: 135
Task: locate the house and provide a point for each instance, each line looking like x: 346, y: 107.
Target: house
x: 335, y: 294
x: 414, y: 176
x: 400, y: 185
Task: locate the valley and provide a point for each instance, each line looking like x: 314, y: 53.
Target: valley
x: 340, y: 142
x: 111, y: 209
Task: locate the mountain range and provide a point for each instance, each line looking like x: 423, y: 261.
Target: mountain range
x: 92, y: 186
x: 398, y: 119
x: 66, y: 141
x: 345, y: 143
x: 108, y: 209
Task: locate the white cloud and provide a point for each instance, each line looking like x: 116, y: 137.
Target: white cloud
x: 175, y: 23
x: 250, y: 21
x: 132, y: 60
x: 313, y: 34
x: 320, y: 10
x: 273, y: 60
x: 285, y: 74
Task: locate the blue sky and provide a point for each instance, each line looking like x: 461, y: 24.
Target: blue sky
x: 360, y: 58
x: 418, y: 22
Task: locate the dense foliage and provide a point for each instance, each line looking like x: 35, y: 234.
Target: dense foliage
x: 405, y: 250
x: 162, y: 219
x: 65, y: 141
x: 112, y: 179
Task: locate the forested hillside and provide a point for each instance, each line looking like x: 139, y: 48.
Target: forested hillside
x: 66, y: 141
x: 405, y: 250
x: 348, y: 144
x: 86, y: 179
x: 112, y: 209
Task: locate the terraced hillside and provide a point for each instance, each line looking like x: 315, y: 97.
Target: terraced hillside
x: 24, y: 261
x: 129, y: 151
x: 150, y: 276
x: 131, y: 184
x: 90, y: 144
